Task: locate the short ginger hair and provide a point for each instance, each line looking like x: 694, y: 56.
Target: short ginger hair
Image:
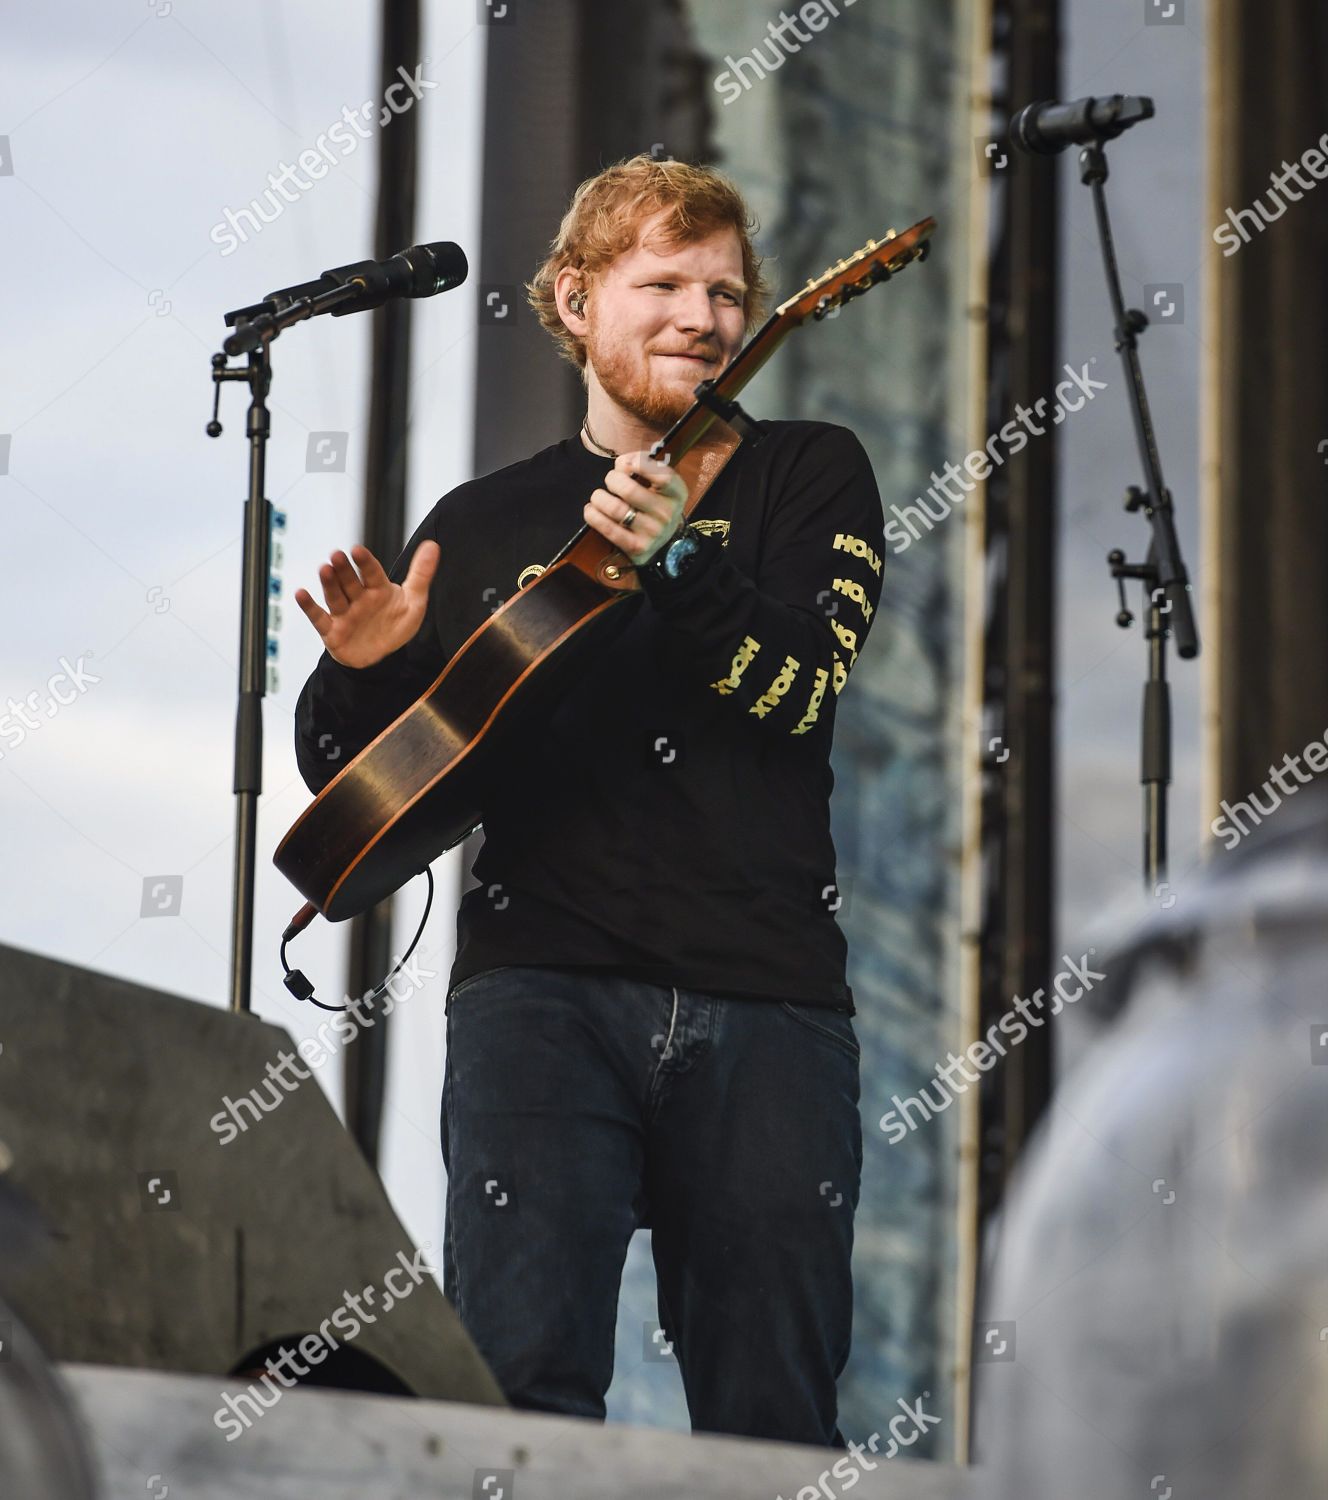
x: 605, y: 219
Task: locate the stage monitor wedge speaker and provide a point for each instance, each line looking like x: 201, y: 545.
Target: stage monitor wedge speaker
x: 177, y: 1240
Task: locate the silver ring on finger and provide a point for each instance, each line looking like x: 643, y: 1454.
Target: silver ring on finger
x: 629, y: 518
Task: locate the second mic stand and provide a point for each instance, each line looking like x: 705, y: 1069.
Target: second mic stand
x: 1163, y: 570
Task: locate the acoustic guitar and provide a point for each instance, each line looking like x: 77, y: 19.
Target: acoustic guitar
x: 419, y: 788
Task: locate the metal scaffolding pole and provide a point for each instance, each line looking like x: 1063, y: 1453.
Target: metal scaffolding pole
x: 384, y: 531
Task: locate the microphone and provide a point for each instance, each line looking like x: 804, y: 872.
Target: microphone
x: 421, y: 271
x: 1049, y: 127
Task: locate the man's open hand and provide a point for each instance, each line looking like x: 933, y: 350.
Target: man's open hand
x: 368, y: 616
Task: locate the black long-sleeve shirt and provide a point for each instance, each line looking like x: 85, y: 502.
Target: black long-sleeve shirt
x: 671, y: 821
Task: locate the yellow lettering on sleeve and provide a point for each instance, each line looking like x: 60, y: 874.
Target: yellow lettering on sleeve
x: 855, y: 591
x: 814, y: 706
x: 741, y: 660
x: 770, y: 698
x: 847, y: 638
x: 856, y: 547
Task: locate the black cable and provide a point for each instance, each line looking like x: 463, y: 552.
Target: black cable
x: 299, y: 986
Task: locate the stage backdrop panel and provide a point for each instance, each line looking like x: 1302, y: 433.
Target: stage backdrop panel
x: 865, y: 128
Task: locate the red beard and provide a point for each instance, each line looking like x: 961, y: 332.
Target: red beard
x: 651, y: 401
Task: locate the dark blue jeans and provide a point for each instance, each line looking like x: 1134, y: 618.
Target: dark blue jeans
x: 579, y: 1105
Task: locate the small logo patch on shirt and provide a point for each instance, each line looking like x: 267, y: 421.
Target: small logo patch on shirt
x: 714, y: 528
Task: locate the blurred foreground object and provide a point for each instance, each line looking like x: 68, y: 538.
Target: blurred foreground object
x: 1157, y: 1321
x: 43, y: 1455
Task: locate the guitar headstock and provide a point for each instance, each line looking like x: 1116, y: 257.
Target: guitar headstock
x: 878, y: 260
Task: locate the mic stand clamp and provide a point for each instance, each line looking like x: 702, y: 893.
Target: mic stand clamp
x: 267, y: 319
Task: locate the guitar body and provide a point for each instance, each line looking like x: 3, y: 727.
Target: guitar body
x: 418, y: 789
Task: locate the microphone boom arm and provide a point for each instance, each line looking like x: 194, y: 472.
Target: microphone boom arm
x: 251, y: 332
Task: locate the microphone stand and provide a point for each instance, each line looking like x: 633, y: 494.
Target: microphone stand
x: 255, y: 328
x: 1163, y: 570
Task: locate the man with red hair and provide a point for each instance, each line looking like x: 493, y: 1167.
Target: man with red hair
x: 648, y: 1015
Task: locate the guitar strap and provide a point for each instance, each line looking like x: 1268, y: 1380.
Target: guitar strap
x: 701, y: 467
